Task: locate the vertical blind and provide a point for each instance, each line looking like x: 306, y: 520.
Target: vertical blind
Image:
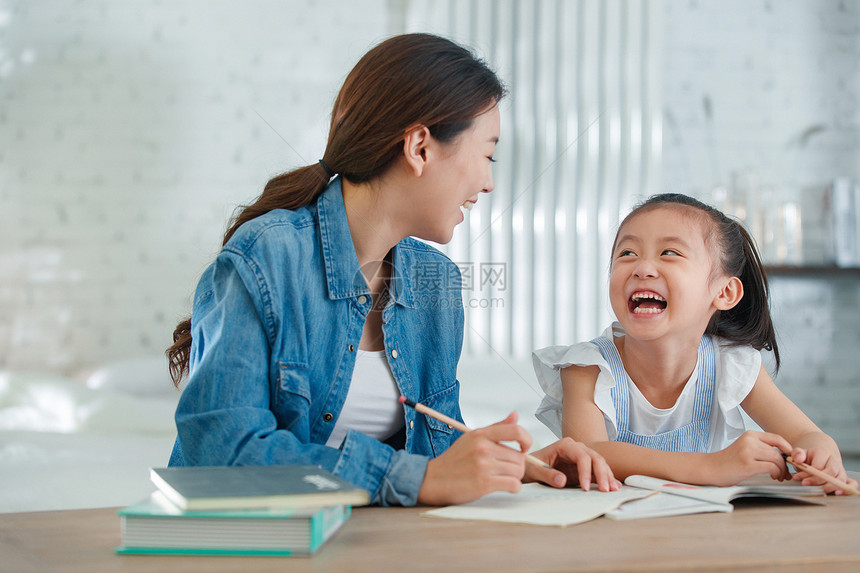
x: 580, y: 144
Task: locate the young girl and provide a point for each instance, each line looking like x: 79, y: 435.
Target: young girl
x: 660, y: 392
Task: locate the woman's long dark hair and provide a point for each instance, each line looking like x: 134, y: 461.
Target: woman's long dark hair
x: 748, y: 323
x: 404, y: 82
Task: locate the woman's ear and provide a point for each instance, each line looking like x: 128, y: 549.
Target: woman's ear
x: 415, y: 145
x: 730, y: 295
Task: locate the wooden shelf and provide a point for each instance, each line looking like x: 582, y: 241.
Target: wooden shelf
x: 810, y: 271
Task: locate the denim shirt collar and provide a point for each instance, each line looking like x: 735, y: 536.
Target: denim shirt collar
x: 343, y: 274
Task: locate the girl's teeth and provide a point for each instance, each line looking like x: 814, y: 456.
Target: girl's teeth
x: 467, y: 205
x: 640, y: 310
x: 654, y: 296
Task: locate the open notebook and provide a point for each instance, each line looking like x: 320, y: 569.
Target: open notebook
x: 541, y: 505
x: 642, y: 496
x: 674, y: 498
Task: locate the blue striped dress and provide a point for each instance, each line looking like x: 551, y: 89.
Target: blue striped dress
x: 692, y: 437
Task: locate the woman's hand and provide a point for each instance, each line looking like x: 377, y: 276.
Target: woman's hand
x: 824, y: 460
x: 574, y: 463
x: 752, y: 454
x: 477, y: 464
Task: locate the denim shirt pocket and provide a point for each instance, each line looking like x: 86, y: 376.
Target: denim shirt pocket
x: 293, y: 397
x: 446, y: 401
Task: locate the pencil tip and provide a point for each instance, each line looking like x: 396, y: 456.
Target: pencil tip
x: 402, y: 399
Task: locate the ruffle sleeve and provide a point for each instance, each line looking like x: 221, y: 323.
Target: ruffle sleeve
x: 738, y: 370
x: 548, y: 363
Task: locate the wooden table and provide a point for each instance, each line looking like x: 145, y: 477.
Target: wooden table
x: 752, y: 538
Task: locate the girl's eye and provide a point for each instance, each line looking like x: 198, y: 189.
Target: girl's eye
x: 626, y: 253
x: 491, y: 159
x: 670, y: 252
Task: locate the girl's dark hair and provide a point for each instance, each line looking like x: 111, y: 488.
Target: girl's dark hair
x: 405, y: 82
x: 749, y: 322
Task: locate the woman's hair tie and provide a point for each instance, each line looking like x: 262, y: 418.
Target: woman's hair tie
x: 327, y: 169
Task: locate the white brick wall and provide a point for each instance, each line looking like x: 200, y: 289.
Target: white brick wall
x: 128, y: 132
x: 770, y: 72
x: 818, y: 329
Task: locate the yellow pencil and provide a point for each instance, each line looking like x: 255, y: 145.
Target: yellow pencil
x: 818, y: 473
x: 427, y: 411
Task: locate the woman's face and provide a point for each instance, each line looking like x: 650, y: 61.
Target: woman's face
x: 458, y: 173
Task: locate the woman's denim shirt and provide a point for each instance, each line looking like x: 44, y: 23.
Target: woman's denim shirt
x: 276, y: 323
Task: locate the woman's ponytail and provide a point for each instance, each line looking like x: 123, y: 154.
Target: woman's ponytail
x: 290, y: 190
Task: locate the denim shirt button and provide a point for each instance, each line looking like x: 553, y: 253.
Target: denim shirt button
x: 394, y: 354
x: 362, y: 299
x: 328, y: 417
x: 411, y: 424
x: 351, y: 348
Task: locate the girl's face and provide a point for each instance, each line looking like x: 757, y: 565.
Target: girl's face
x: 460, y: 171
x: 661, y: 278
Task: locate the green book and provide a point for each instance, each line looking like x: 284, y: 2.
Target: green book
x: 156, y: 526
x: 203, y: 488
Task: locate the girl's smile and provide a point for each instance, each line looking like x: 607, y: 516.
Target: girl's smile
x: 646, y: 302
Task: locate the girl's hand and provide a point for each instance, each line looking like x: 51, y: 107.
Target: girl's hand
x: 826, y: 461
x: 578, y: 463
x: 477, y: 464
x: 752, y: 454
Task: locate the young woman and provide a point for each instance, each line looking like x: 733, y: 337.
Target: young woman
x: 660, y: 392
x: 321, y: 310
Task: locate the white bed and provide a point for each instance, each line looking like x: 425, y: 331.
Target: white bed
x: 67, y: 443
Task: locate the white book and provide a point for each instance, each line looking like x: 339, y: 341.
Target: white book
x: 202, y: 488
x: 155, y: 526
x: 661, y: 504
x: 856, y: 220
x: 675, y: 498
x: 844, y: 215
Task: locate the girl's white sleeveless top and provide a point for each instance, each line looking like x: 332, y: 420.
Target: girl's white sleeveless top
x: 737, y: 368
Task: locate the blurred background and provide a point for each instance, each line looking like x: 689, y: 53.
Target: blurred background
x: 129, y: 132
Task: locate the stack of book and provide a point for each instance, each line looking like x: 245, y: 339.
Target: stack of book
x: 239, y: 510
